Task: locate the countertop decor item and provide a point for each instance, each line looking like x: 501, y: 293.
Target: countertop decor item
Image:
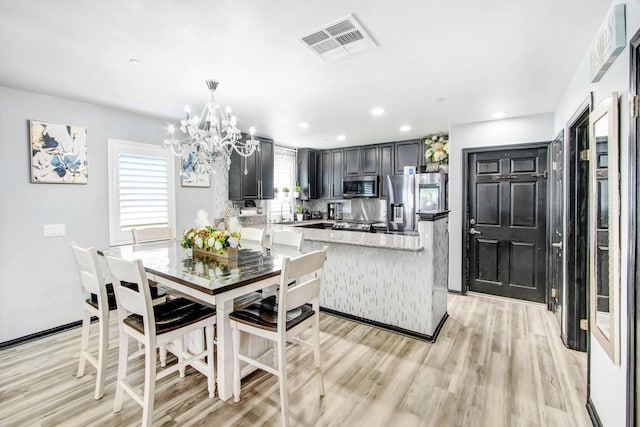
x: 210, y: 136
x: 206, y: 240
x: 437, y: 148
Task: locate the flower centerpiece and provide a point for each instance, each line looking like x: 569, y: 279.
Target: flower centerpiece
x: 437, y: 149
x: 205, y: 239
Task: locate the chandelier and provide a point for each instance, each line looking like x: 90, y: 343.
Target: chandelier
x: 210, y: 136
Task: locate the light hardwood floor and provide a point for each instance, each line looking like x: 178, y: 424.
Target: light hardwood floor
x: 495, y: 363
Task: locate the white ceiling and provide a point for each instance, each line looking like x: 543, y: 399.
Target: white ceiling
x: 437, y: 62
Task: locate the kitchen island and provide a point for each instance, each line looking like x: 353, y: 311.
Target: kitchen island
x: 394, y: 281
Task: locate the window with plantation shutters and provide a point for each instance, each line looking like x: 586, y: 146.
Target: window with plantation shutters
x: 284, y: 176
x: 141, y: 189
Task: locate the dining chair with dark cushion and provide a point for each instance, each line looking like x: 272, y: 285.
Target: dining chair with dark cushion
x: 158, y: 325
x: 283, y: 319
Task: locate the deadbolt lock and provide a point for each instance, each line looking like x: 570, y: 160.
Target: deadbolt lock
x: 472, y: 221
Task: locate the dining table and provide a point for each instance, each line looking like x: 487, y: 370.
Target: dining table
x: 212, y: 282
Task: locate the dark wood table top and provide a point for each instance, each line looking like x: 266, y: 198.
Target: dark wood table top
x: 169, y: 260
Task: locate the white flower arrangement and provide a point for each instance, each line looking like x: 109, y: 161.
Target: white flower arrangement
x: 206, y: 237
x: 437, y: 150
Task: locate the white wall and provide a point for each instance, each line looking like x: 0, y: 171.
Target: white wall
x: 519, y: 130
x: 39, y: 286
x: 608, y: 381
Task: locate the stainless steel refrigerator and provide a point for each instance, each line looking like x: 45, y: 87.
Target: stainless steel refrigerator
x: 401, y: 214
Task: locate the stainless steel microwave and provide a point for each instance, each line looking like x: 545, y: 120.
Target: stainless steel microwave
x: 359, y: 186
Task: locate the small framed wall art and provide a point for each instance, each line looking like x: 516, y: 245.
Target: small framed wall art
x: 58, y: 153
x: 192, y: 172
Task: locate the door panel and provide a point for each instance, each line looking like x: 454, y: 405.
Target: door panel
x: 488, y: 204
x: 524, y: 205
x: 523, y: 256
x: 485, y: 167
x: 488, y: 265
x: 506, y: 231
x: 523, y: 165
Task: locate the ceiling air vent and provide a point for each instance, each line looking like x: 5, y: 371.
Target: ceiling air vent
x: 338, y: 39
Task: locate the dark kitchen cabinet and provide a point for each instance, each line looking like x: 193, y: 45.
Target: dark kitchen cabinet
x: 330, y: 166
x: 361, y: 160
x: 352, y: 161
x: 257, y: 183
x: 406, y: 153
x: 308, y: 173
x: 386, y: 153
x: 370, y: 160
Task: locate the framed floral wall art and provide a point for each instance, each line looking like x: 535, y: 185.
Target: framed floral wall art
x: 192, y: 171
x: 58, y: 153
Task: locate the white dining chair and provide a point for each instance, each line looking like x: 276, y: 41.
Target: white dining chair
x: 287, y: 238
x: 151, y: 234
x: 98, y: 300
x: 154, y: 326
x: 283, y: 319
x: 252, y: 236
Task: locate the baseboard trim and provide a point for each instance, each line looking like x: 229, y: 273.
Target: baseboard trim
x: 593, y: 414
x: 391, y: 328
x: 32, y: 337
x: 455, y: 291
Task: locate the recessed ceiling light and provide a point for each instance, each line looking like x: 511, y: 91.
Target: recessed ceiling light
x: 377, y: 111
x: 341, y: 137
x: 498, y: 114
x: 303, y: 125
x: 405, y: 128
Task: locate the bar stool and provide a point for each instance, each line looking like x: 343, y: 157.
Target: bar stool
x: 283, y: 319
x: 98, y: 300
x: 156, y: 326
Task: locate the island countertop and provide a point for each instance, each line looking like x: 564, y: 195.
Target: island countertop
x: 357, y: 238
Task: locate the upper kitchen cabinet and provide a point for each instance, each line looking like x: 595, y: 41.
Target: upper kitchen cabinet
x: 406, y: 153
x: 308, y: 173
x: 257, y: 183
x: 330, y: 174
x: 361, y: 160
x: 386, y: 154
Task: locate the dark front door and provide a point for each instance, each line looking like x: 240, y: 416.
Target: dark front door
x: 506, y: 229
x: 556, y: 214
x: 576, y: 241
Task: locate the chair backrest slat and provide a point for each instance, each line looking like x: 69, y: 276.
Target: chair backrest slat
x: 306, y: 270
x: 151, y: 234
x: 126, y: 274
x: 302, y: 293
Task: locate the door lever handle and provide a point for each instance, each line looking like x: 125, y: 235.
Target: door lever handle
x: 474, y: 231
x: 557, y: 245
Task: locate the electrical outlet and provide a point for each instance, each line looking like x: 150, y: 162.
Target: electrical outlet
x: 54, y: 230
